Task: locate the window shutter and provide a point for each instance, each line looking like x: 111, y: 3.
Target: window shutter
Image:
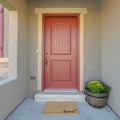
x: 1, y: 30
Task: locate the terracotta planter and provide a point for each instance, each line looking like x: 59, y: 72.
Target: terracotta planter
x: 96, y: 100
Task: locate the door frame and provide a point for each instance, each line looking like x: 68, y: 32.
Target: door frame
x: 81, y: 12
x: 77, y: 16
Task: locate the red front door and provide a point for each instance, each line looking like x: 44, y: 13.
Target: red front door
x: 60, y: 35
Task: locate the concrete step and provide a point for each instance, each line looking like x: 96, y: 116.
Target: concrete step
x: 59, y: 95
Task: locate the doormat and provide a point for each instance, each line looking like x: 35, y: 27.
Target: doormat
x: 60, y: 108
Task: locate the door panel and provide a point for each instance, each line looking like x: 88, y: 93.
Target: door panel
x: 60, y: 39
x: 60, y: 70
x: 60, y: 52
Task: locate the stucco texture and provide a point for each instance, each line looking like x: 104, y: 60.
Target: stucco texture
x: 111, y: 50
x: 11, y: 94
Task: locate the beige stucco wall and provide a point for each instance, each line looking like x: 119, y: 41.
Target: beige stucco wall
x: 92, y: 67
x: 11, y: 94
x: 111, y: 50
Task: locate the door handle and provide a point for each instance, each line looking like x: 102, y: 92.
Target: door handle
x: 46, y: 59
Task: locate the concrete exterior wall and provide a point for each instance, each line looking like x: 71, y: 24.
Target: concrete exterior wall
x: 11, y: 94
x: 111, y: 50
x: 92, y: 36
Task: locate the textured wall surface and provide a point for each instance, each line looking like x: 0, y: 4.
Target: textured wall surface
x: 11, y: 94
x: 111, y: 50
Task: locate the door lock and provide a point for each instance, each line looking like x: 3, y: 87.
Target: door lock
x: 46, y: 59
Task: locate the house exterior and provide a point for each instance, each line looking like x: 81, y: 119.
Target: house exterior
x: 99, y: 46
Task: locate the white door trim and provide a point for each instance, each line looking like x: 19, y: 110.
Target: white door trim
x: 41, y: 11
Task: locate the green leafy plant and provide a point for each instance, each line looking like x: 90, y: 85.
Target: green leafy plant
x: 96, y: 86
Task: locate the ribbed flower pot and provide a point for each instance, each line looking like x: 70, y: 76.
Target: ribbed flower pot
x: 96, y: 100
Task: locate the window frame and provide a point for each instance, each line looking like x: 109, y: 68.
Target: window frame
x: 12, y: 47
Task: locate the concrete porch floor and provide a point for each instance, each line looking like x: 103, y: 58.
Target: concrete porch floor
x: 29, y: 110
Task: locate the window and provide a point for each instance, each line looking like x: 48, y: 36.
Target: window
x: 8, y: 45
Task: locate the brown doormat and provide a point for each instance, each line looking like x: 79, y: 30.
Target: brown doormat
x: 60, y: 108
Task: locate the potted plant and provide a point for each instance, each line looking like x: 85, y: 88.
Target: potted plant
x: 96, y: 93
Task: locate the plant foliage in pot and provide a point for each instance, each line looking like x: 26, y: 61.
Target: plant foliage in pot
x: 96, y: 93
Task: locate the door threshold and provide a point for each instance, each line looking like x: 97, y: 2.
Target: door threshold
x: 60, y: 90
